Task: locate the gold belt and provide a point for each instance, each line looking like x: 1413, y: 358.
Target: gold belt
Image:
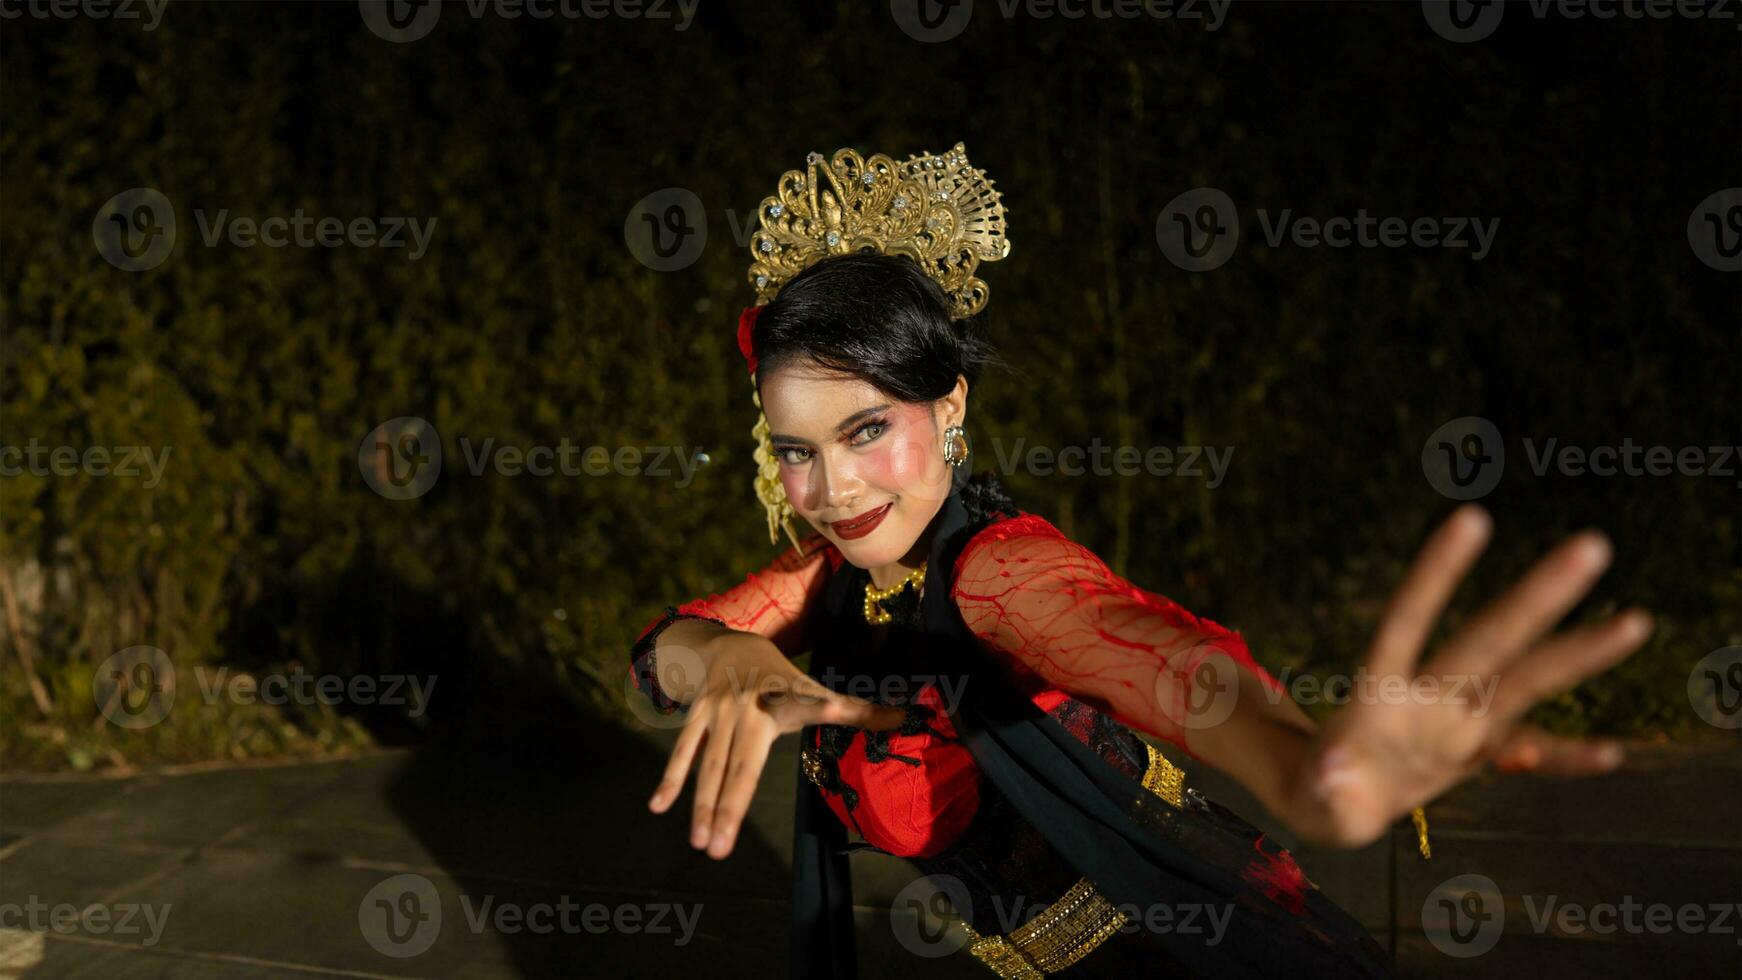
x: 1070, y: 928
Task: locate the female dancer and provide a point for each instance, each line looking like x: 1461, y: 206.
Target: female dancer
x: 976, y: 677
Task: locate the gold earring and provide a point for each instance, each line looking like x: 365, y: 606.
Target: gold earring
x: 952, y: 435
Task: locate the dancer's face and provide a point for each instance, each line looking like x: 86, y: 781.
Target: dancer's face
x: 847, y: 449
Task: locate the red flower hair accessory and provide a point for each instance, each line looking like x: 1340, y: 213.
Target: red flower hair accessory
x: 747, y: 324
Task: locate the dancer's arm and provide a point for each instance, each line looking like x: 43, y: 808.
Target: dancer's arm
x: 1057, y: 611
x: 1051, y: 608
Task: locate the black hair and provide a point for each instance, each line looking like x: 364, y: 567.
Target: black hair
x: 876, y: 317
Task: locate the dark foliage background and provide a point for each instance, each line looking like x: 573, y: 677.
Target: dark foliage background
x: 530, y: 321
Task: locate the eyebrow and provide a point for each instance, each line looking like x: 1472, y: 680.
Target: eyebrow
x: 840, y: 426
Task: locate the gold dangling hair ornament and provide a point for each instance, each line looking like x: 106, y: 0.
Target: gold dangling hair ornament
x: 875, y: 614
x: 935, y: 208
x: 1419, y: 815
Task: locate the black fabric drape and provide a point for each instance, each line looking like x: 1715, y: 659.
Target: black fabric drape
x: 1138, y: 850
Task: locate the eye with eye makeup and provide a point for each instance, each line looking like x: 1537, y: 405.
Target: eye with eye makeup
x: 878, y: 424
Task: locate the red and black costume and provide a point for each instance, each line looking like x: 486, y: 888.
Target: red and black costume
x: 1024, y: 667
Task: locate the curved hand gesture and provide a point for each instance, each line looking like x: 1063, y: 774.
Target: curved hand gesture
x: 752, y: 696
x: 1379, y: 757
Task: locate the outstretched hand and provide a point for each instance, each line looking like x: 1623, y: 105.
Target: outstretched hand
x: 1378, y: 758
x: 752, y: 696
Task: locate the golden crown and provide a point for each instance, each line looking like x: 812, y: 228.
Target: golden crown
x: 936, y: 208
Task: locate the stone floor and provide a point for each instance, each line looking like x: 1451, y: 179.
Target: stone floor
x: 458, y: 861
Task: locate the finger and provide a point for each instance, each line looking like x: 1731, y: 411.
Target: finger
x: 709, y: 774
x: 834, y: 709
x: 855, y: 713
x: 794, y: 704
x: 1531, y: 749
x: 679, y: 765
x: 1441, y: 564
x: 749, y: 755
x: 805, y: 701
x: 1565, y: 660
x: 1508, y: 624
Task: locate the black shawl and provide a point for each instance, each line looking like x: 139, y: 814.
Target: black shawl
x: 1137, y: 850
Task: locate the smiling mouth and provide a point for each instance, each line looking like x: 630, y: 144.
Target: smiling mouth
x: 859, y: 521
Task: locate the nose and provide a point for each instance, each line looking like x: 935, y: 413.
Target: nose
x: 834, y: 487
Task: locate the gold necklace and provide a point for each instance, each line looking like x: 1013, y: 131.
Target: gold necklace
x: 874, y: 612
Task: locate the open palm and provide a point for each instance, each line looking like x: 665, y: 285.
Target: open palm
x: 1419, y: 728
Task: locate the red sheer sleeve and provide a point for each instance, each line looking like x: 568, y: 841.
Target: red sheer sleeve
x: 772, y: 602
x: 1059, y: 617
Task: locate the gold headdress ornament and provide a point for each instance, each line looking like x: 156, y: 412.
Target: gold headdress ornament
x: 937, y: 209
